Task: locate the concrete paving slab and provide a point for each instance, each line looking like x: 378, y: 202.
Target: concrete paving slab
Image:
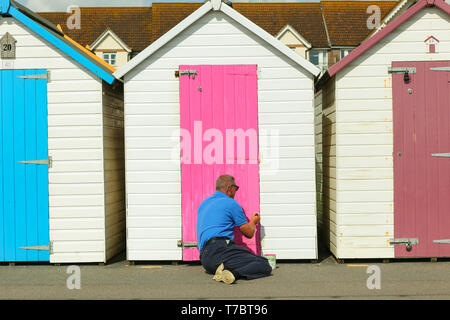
x: 291, y: 280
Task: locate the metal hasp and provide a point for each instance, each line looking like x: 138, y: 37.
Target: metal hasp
x: 189, y: 73
x: 45, y: 76
x: 441, y: 155
x: 406, y: 71
x: 404, y: 241
x: 442, y: 241
x: 392, y: 70
x: 440, y: 69
x: 41, y: 162
x: 182, y: 244
x: 48, y: 248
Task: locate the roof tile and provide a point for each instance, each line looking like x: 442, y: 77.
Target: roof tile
x: 347, y: 20
x: 138, y: 27
x: 132, y: 24
x: 305, y: 18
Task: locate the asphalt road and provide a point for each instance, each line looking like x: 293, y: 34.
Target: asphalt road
x: 291, y: 280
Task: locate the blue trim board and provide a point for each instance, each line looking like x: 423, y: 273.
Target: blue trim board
x: 4, y: 6
x: 59, y: 43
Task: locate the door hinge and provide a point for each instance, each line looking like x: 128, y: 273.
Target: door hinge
x: 45, y: 76
x: 189, y: 73
x: 404, y: 241
x: 442, y: 241
x: 48, y: 248
x: 182, y: 244
x: 440, y: 69
x: 42, y: 162
x: 441, y: 155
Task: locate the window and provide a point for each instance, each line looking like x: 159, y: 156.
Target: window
x: 111, y: 58
x: 319, y: 58
x: 345, y: 52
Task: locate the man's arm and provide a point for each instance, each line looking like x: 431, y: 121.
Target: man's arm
x: 248, y: 229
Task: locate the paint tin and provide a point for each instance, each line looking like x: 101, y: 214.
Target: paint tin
x: 272, y: 260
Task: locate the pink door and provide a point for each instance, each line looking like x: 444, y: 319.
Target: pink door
x: 421, y: 110
x: 219, y: 135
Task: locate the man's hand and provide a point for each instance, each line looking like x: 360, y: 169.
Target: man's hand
x: 248, y: 229
x: 256, y: 218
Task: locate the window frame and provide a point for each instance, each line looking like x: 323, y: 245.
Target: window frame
x: 108, y: 57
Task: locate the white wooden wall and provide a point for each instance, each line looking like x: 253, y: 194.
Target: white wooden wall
x: 76, y: 182
x: 365, y: 216
x: 319, y: 162
x: 288, y: 198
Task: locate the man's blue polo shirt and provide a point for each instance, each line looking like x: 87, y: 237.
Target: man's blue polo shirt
x: 217, y: 216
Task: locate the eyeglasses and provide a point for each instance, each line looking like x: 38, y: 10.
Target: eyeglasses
x: 237, y: 187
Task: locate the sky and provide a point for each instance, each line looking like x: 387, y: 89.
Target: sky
x: 62, y: 5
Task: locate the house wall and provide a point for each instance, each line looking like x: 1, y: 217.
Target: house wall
x: 75, y: 141
x: 365, y: 198
x: 114, y: 168
x: 334, y: 55
x: 285, y: 94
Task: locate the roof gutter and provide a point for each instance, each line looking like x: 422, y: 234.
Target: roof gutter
x: 325, y: 25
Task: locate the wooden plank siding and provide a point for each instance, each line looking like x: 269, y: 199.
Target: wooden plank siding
x: 364, y: 162
x: 286, y: 119
x: 114, y: 169
x: 327, y: 149
x: 76, y: 182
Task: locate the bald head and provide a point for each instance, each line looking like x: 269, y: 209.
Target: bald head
x: 224, y: 181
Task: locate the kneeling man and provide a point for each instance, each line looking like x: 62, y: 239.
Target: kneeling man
x: 217, y: 216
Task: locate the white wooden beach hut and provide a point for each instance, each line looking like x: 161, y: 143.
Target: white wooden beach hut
x: 384, y: 112
x: 61, y: 144
x: 218, y: 69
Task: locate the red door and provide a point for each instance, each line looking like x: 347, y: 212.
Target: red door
x: 421, y: 111
x: 219, y: 130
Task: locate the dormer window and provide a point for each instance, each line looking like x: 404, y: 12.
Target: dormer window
x: 111, y: 49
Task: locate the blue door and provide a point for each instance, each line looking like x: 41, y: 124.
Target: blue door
x: 24, y: 221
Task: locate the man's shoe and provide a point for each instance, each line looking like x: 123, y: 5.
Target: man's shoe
x: 225, y: 276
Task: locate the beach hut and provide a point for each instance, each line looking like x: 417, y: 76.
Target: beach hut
x: 384, y: 112
x: 61, y: 146
x: 217, y: 94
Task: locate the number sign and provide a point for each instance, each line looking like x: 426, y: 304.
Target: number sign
x: 8, y: 47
